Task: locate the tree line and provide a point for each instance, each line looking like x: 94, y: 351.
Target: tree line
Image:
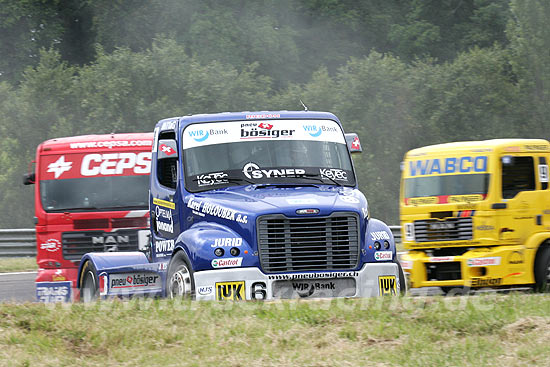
x: 401, y: 74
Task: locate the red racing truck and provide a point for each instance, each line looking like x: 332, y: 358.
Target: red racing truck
x: 91, y: 195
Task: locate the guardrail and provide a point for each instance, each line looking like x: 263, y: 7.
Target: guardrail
x: 17, y: 243
x: 22, y: 242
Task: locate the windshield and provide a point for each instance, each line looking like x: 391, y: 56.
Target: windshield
x: 278, y: 152
x: 95, y: 181
x: 95, y: 193
x: 447, y: 186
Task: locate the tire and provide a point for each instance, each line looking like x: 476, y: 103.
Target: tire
x: 180, y: 282
x: 542, y: 270
x: 89, y: 285
x: 402, y: 280
x: 456, y: 291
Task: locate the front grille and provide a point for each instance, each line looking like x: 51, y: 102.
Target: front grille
x: 452, y: 229
x: 308, y: 244
x: 76, y: 244
x: 443, y: 271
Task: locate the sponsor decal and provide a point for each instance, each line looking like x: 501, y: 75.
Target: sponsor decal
x: 448, y: 165
x: 409, y: 231
x: 163, y: 266
x: 201, y: 208
x: 406, y: 264
x: 58, y: 276
x: 115, y: 164
x: 205, y: 290
x: 210, y: 179
x: 227, y: 242
x: 51, y: 245
x: 230, y: 291
x: 515, y: 258
x: 423, y: 201
x: 200, y: 135
x: 227, y: 263
x: 59, y: 167
x: 50, y: 292
x: 168, y: 150
x: 387, y: 285
x: 348, y: 274
x: 486, y: 282
x: 379, y: 235
x: 441, y: 226
x: 484, y: 261
x: 134, y: 280
x: 333, y: 174
x: 485, y: 228
x: 252, y: 170
x: 382, y: 255
x: 301, y: 201
x: 349, y: 199
x: 164, y: 246
x: 263, y: 116
x: 169, y: 125
x: 111, y: 144
x: 441, y: 259
x: 356, y: 144
x: 164, y: 203
x: 464, y: 198
x: 317, y: 130
x: 252, y: 130
x: 305, y: 289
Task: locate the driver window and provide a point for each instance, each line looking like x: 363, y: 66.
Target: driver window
x: 167, y: 168
x: 518, y: 174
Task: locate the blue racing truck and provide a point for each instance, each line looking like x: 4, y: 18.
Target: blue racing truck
x: 252, y: 206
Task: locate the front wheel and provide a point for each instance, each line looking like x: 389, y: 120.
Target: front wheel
x: 542, y: 270
x: 180, y: 282
x: 89, y: 286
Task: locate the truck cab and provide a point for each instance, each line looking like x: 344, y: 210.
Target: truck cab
x: 477, y: 214
x: 254, y: 205
x: 90, y: 196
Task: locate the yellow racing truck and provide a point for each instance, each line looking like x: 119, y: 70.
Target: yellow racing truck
x: 477, y: 214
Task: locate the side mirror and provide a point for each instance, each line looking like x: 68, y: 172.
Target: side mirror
x: 354, y: 145
x: 167, y: 149
x: 29, y: 178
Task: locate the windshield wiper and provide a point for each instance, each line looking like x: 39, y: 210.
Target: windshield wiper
x: 311, y: 176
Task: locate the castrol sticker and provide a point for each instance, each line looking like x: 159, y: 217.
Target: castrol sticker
x: 95, y: 164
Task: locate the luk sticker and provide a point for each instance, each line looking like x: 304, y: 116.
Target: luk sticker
x: 230, y: 291
x: 388, y: 285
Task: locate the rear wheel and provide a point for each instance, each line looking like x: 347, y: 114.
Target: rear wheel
x: 89, y: 286
x: 180, y: 282
x: 542, y: 270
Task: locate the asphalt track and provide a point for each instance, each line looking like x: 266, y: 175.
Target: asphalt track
x: 17, y: 287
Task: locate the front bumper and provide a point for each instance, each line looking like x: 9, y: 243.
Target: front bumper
x: 374, y: 279
x: 477, y: 268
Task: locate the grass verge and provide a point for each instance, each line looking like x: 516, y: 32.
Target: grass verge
x: 13, y: 264
x: 487, y: 330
